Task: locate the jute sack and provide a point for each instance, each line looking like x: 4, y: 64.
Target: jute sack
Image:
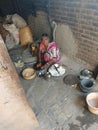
x: 25, y: 35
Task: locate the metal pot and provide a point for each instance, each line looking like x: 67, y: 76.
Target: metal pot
x: 86, y: 85
x: 86, y: 73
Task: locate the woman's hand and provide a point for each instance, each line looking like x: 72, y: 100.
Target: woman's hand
x: 45, y: 66
x: 39, y: 65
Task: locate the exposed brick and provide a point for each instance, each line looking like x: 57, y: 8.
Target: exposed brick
x: 82, y: 17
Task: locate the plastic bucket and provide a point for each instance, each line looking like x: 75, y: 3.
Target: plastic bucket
x: 92, y: 102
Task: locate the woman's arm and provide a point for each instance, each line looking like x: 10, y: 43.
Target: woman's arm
x: 47, y: 65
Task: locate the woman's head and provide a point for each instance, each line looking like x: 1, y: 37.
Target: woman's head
x: 45, y: 39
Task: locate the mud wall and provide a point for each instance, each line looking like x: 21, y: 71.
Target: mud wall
x: 16, y: 113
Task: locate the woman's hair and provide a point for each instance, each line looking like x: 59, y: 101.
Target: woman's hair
x: 45, y: 35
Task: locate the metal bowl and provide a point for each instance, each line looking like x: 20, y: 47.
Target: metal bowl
x: 86, y: 73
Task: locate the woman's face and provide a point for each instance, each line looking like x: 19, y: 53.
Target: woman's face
x: 45, y: 41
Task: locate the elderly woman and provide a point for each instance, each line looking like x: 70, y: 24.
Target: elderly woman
x: 48, y: 53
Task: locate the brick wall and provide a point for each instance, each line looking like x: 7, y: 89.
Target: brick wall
x: 80, y: 15
x: 82, y: 18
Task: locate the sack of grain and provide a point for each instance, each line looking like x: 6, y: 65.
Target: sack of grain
x: 11, y: 28
x: 17, y: 20
x: 25, y: 35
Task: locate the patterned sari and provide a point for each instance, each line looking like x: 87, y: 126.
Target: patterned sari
x: 52, y: 53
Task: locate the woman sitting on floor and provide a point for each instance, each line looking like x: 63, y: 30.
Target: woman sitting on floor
x: 48, y: 53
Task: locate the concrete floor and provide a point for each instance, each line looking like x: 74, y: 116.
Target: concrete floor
x: 59, y: 106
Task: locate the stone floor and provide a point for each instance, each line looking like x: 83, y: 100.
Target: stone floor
x: 59, y: 106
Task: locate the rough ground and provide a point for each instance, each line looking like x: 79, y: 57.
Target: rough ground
x: 59, y: 106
